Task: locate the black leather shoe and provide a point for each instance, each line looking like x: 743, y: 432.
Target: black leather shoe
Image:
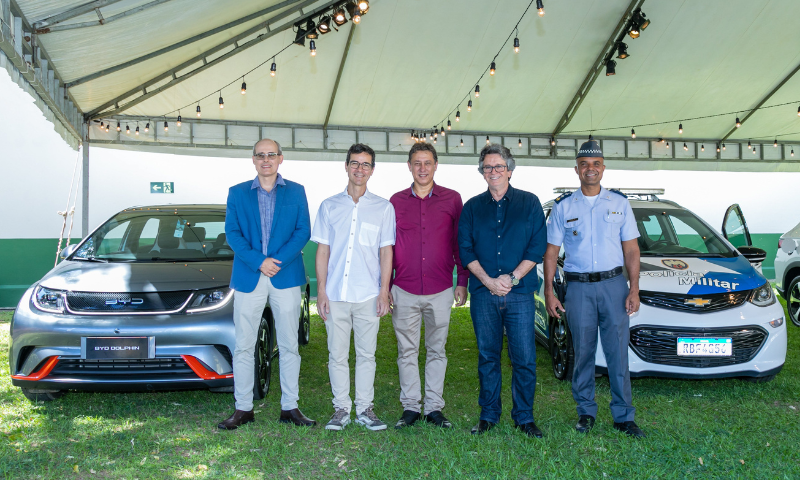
x: 530, y: 429
x: 482, y: 427
x: 630, y: 428
x: 239, y: 418
x: 409, y: 418
x: 296, y: 417
x: 585, y: 423
x: 437, y: 418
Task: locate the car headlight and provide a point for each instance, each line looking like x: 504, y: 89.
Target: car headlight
x: 49, y: 300
x: 763, y: 296
x: 211, y: 299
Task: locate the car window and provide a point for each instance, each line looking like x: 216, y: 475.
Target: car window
x: 153, y: 236
x: 734, y: 228
x: 670, y: 232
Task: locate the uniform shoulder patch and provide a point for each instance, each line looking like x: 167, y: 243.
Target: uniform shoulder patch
x: 617, y: 192
x: 562, y: 196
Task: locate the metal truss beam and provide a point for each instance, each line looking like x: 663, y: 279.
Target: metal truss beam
x: 763, y: 101
x: 596, y: 69
x: 71, y: 13
x: 100, y: 20
x: 180, y: 44
x: 174, y: 72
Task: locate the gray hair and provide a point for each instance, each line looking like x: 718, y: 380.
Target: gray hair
x: 278, y: 145
x: 496, y: 148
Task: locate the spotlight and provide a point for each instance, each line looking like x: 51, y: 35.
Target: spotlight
x: 458, y: 115
x: 198, y: 111
x: 324, y: 25
x: 643, y: 21
x: 491, y: 69
x: 147, y: 127
x: 273, y: 69
x: 311, y: 30
x: 313, y: 47
x: 118, y: 127
x: 684, y: 146
x: 178, y: 123
x: 633, y: 133
x: 540, y: 7
x: 137, y: 130
x: 622, y: 50
x: 363, y: 6
x: 680, y: 128
x: 738, y: 123
x: 610, y: 68
x: 448, y: 124
x: 166, y: 126
x: 244, y: 87
x: 127, y: 130
x: 520, y: 142
x: 477, y: 91
x: 355, y: 14
x: 339, y: 18
x: 469, y: 106
x: 487, y: 139
x: 221, y: 103
x: 516, y: 50
x: 634, y: 30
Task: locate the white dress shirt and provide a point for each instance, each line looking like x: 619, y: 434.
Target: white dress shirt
x: 355, y: 233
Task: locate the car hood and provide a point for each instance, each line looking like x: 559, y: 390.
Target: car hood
x: 80, y: 276
x: 698, y: 276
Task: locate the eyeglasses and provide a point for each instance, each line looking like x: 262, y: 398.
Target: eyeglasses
x: 354, y: 165
x: 496, y: 168
x: 264, y: 156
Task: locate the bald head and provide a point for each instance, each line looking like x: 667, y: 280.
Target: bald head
x: 267, y: 143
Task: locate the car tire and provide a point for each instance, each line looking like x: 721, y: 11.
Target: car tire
x: 765, y: 379
x: 792, y: 293
x: 304, y: 330
x: 562, y: 353
x: 36, y: 395
x: 263, y: 359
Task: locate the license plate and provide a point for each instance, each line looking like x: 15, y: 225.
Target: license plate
x: 98, y: 348
x: 705, y: 347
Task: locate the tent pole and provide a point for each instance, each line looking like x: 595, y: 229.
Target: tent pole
x: 85, y: 182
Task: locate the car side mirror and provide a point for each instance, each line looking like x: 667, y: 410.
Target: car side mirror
x: 68, y: 250
x: 788, y: 245
x: 753, y: 255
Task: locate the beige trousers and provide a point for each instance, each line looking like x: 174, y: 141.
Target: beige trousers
x: 362, y: 318
x: 408, y: 312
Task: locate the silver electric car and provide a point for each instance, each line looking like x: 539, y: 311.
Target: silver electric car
x: 142, y: 303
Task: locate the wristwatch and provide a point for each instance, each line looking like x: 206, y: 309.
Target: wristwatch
x: 514, y: 280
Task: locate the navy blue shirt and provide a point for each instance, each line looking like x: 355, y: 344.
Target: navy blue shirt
x: 500, y: 235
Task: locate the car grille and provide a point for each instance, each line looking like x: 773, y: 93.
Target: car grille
x: 117, y: 368
x: 112, y: 303
x: 677, y: 301
x: 658, y: 344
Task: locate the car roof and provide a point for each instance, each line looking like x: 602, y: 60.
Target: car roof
x: 180, y: 206
x: 636, y: 202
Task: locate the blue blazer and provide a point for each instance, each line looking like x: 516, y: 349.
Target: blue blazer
x: 291, y: 230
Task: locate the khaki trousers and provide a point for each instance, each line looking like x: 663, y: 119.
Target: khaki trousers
x: 362, y: 318
x: 408, y: 312
x: 247, y: 311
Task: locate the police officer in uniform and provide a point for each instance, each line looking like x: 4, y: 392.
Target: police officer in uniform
x: 599, y: 234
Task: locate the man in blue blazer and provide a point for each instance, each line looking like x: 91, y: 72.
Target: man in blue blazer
x: 267, y: 225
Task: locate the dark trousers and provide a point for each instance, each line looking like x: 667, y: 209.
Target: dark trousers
x: 490, y: 314
x: 600, y: 305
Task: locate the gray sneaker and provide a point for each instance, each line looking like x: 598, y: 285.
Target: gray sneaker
x: 339, y: 420
x: 370, y: 420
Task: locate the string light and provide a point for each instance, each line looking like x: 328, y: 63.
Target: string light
x: 748, y: 145
x: 313, y: 46
x: 166, y: 126
x: 718, y: 147
x: 118, y: 128
x: 793, y: 152
x: 492, y: 69
x: 107, y: 126
x: 680, y: 128
x: 516, y: 45
x: 273, y: 68
x: 798, y: 111
x: 723, y: 146
x: 477, y: 91
x: 552, y: 141
x: 776, y: 143
x: 178, y: 123
x: 702, y: 148
x: 147, y: 127
x: 462, y: 144
x: 442, y: 132
x: 458, y: 116
x: 221, y: 102
x: 127, y: 130
x: 435, y: 132
x: 633, y: 133
x: 684, y: 146
x: 738, y: 123
x: 487, y: 139
x: 469, y: 106
x: 667, y: 144
x: 434, y: 138
x: 102, y: 126
x: 244, y: 87
x: 754, y: 150
x: 520, y: 142
x: 137, y: 130
x: 540, y: 7
x: 448, y: 124
x: 198, y: 111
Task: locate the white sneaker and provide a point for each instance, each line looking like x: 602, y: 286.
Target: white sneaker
x: 339, y: 420
x: 370, y: 420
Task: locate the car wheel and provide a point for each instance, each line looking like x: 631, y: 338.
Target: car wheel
x: 561, y: 352
x: 766, y: 379
x: 263, y: 360
x: 793, y: 301
x: 37, y: 395
x: 304, y: 331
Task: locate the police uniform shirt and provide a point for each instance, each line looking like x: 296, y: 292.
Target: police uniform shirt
x: 591, y: 235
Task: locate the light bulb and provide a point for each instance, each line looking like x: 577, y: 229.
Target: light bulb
x: 487, y: 139
x: 357, y: 19
x: 178, y: 123
x: 221, y: 102
x: 684, y: 146
x: 540, y: 7
x: 477, y: 91
x: 313, y: 46
x: 442, y: 132
x: 198, y: 111
x: 520, y: 142
x: 492, y: 69
x: 738, y: 123
x: 137, y: 130
x: 702, y: 148
x: 754, y: 150
x: 776, y: 143
x: 552, y: 141
x: 106, y: 127
x: 680, y: 128
x: 667, y: 144
x: 102, y: 125
x: 633, y: 133
x: 448, y: 125
x: 718, y: 147
x: 516, y: 50
x: 147, y: 127
x: 723, y: 146
x: 244, y: 87
x: 118, y: 128
x: 748, y: 145
x: 273, y: 69
x: 462, y: 144
x: 469, y: 106
x: 127, y: 130
x: 458, y: 116
x: 166, y: 126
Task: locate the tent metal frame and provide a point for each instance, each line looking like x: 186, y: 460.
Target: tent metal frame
x: 100, y: 19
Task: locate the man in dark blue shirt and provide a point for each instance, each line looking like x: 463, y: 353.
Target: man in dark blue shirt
x: 501, y: 238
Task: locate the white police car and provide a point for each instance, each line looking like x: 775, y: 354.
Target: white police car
x: 787, y: 272
x: 706, y: 309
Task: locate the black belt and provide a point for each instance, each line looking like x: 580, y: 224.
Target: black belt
x: 593, y: 276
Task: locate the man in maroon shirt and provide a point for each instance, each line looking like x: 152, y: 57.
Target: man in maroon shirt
x: 425, y: 252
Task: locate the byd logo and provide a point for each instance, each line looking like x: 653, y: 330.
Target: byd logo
x: 123, y: 301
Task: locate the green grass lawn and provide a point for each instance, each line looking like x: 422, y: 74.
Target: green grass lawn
x: 696, y: 429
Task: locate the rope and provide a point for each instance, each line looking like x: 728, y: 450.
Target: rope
x: 67, y: 212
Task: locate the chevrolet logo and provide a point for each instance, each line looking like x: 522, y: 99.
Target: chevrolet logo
x: 697, y: 302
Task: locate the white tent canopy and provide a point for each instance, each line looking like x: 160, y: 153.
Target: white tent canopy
x: 410, y: 62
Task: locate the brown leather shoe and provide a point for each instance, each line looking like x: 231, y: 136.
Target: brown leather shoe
x: 296, y: 417
x: 239, y: 418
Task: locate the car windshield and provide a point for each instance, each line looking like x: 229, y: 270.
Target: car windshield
x: 669, y: 232
x: 153, y: 235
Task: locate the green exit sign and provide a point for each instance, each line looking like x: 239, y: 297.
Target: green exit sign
x: 162, y: 187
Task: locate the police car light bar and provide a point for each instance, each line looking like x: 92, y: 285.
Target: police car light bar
x: 626, y: 191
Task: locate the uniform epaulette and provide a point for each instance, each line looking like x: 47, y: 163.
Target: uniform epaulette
x: 563, y: 196
x: 617, y: 192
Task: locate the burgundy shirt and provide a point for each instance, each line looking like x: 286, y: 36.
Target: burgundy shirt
x: 426, y: 246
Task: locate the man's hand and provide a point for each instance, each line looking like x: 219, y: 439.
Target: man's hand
x: 323, y: 305
x: 391, y: 303
x: 384, y: 302
x: 498, y: 286
x: 553, y: 305
x: 269, y: 267
x: 461, y: 296
x: 632, y: 302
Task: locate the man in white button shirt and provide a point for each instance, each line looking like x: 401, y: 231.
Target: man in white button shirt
x: 355, y: 231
